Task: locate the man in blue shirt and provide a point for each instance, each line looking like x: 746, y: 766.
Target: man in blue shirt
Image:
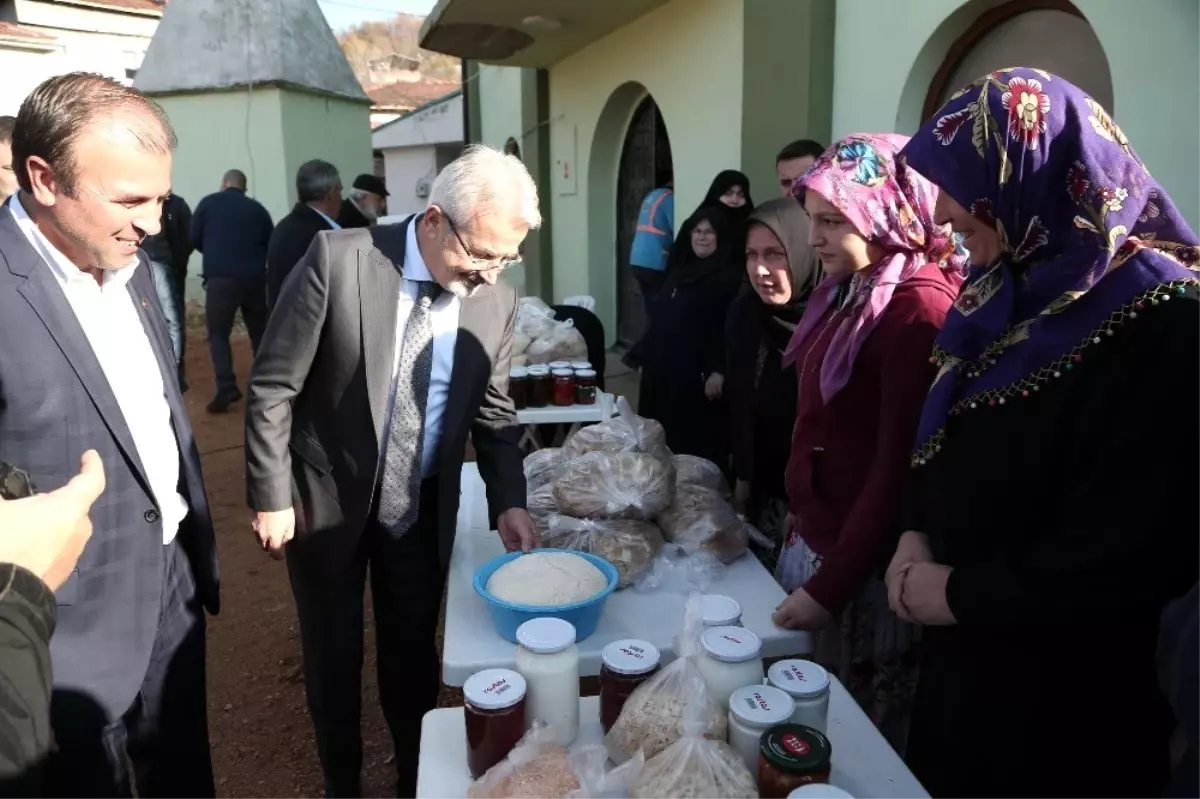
x: 232, y: 231
x: 652, y: 241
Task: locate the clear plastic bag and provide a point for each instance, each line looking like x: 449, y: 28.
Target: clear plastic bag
x: 700, y: 520
x: 676, y: 572
x: 538, y: 768
x: 652, y: 719
x: 562, y: 343
x: 534, y: 319
x: 542, y: 466
x: 625, y: 485
x: 691, y: 470
x: 695, y: 767
x: 626, y: 432
x: 628, y: 544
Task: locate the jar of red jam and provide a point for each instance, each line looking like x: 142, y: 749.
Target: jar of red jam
x: 495, y: 717
x: 541, y: 389
x: 791, y: 755
x: 564, y: 387
x: 585, y: 387
x: 518, y: 386
x: 624, y: 665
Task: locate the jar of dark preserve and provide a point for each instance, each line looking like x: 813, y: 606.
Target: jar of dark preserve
x: 564, y: 387
x: 585, y: 387
x: 518, y: 386
x: 624, y: 665
x: 791, y: 755
x: 495, y: 717
x: 541, y: 389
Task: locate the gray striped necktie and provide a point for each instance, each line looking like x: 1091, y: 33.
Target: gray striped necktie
x: 400, y: 489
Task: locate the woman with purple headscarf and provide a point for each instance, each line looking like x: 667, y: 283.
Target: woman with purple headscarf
x: 861, y: 354
x: 1053, y: 511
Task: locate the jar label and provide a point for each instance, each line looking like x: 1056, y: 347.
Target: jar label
x: 633, y: 652
x: 498, y: 687
x: 794, y: 744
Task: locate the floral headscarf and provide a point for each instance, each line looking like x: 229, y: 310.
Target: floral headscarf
x: 891, y: 206
x: 1088, y: 237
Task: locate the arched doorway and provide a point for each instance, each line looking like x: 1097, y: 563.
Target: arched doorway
x: 629, y: 139
x: 644, y: 166
x: 1048, y: 34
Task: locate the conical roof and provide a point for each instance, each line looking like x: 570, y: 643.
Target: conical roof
x: 204, y: 45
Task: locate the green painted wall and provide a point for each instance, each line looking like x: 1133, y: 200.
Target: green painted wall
x: 501, y: 101
x: 228, y: 130
x: 332, y: 129
x: 882, y: 86
x: 787, y: 82
x: 688, y: 55
x: 267, y: 133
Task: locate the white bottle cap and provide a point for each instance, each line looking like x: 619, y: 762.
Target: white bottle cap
x: 800, y: 678
x: 719, y: 610
x: 518, y: 371
x: 761, y: 706
x: 630, y: 656
x: 494, y: 689
x: 730, y: 644
x: 545, y: 636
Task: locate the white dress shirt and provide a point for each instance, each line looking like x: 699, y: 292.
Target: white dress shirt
x: 445, y: 336
x: 114, y: 330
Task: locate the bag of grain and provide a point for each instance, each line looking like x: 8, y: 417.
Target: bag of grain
x: 625, y: 485
x: 628, y: 544
x: 653, y: 716
x: 538, y: 768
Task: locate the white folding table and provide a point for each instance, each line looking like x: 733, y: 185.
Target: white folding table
x: 573, y: 415
x: 471, y: 644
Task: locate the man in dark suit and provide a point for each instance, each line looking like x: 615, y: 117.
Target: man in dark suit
x: 88, y: 364
x: 388, y: 347
x: 232, y: 230
x: 366, y: 203
x: 319, y: 189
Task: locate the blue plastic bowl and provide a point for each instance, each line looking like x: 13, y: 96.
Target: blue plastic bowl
x: 507, y: 616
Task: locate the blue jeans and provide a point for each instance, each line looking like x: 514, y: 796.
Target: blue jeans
x: 168, y: 298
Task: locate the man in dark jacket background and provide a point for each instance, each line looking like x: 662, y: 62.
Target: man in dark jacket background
x: 233, y: 231
x: 168, y: 251
x: 319, y: 189
x: 366, y: 203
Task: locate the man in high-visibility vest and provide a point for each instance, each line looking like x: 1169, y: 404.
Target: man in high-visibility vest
x: 652, y: 241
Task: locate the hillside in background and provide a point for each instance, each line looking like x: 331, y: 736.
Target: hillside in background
x: 386, y: 52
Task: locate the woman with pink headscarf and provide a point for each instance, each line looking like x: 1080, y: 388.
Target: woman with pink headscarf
x: 862, y: 358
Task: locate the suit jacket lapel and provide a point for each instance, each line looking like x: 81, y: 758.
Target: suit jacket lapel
x: 46, y: 297
x: 379, y: 282
x: 164, y: 351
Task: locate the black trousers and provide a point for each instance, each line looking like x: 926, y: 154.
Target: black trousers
x: 223, y: 297
x: 163, y: 738
x: 407, y: 582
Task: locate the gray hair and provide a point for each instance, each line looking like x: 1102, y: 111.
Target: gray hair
x: 315, y: 179
x: 485, y: 177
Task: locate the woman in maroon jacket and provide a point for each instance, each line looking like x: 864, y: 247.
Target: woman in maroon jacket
x: 862, y: 355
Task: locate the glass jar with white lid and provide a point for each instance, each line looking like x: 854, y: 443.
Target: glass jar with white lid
x: 808, y: 685
x: 730, y: 658
x: 549, y: 661
x: 754, y: 709
x: 719, y: 610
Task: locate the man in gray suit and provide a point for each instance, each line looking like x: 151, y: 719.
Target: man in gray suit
x: 87, y: 363
x: 388, y: 346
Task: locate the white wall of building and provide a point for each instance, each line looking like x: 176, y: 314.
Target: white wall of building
x: 406, y: 170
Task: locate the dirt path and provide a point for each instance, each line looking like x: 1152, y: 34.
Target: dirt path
x: 262, y: 739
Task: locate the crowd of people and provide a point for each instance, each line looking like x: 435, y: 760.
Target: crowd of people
x: 944, y: 374
x: 933, y: 391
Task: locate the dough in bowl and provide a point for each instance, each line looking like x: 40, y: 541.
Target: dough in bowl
x: 546, y: 579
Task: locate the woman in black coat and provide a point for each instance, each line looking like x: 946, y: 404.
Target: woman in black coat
x: 684, y: 343
x: 782, y: 270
